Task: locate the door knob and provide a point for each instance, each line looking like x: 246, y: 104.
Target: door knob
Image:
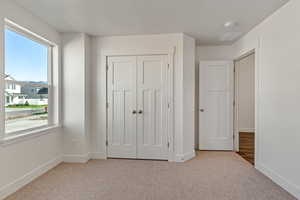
x: 201, y: 110
x: 134, y: 112
x: 140, y: 111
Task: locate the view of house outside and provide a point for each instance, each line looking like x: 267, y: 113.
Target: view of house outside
x: 26, y: 87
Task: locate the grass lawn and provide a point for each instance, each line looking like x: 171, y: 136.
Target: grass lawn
x: 26, y: 106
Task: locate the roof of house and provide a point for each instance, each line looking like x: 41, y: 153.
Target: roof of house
x: 9, y: 77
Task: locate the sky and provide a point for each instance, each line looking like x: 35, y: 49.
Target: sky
x: 25, y: 60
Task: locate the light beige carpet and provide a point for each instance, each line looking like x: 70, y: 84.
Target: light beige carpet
x: 210, y: 176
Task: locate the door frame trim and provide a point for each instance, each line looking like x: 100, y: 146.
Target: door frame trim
x: 258, y: 84
x: 103, y: 94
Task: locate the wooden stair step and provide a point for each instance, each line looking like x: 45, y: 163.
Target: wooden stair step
x: 247, y: 145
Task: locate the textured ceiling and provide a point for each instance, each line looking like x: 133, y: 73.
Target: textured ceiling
x: 202, y: 19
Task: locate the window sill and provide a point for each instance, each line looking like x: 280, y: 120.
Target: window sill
x: 26, y: 135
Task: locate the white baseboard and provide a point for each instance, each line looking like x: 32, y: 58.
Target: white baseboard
x: 83, y: 158
x: 27, y: 178
x: 185, y: 157
x: 98, y: 155
x: 281, y: 181
x: 76, y: 158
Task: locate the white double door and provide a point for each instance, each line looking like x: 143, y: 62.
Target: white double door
x: 137, y: 90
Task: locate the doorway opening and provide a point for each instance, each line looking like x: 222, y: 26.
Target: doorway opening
x: 244, y: 106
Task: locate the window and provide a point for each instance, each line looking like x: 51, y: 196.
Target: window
x: 28, y: 68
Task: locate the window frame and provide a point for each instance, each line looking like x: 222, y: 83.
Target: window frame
x: 8, y: 25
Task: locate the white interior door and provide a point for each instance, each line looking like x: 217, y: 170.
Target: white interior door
x: 152, y: 107
x: 121, y: 116
x: 216, y: 105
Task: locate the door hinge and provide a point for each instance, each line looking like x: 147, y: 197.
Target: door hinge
x: 106, y: 67
x: 168, y: 144
x: 106, y: 143
x: 168, y: 66
x: 233, y: 103
x: 168, y: 105
x: 107, y: 104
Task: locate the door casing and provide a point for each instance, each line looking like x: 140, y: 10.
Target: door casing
x: 255, y: 48
x: 103, y: 93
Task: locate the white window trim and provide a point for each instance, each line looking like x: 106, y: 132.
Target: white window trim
x: 18, y: 136
x: 29, y: 134
x: 26, y: 33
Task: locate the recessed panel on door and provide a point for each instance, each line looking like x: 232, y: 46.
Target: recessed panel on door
x: 152, y: 107
x: 216, y: 106
x: 121, y: 98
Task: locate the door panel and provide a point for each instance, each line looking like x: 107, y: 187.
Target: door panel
x: 152, y: 102
x: 216, y: 106
x: 121, y: 97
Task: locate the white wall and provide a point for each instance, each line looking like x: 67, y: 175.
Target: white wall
x: 76, y: 146
x: 189, y: 108
x: 277, y: 124
x: 23, y: 160
x: 163, y: 42
x: 279, y: 94
x: 214, y: 53
x: 88, y: 90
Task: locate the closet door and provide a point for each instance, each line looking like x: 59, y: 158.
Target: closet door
x: 152, y: 107
x: 121, y: 113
